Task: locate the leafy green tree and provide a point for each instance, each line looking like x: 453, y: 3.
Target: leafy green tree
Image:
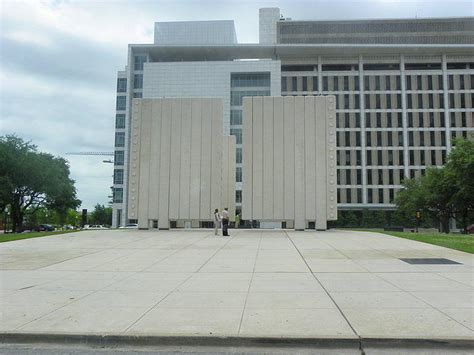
x: 101, y: 215
x: 443, y: 193
x: 30, y: 180
x: 460, y: 164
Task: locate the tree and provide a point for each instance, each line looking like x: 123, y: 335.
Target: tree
x: 460, y: 164
x: 30, y: 180
x: 443, y: 193
x: 101, y: 215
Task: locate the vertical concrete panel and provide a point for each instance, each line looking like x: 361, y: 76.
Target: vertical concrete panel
x: 225, y: 174
x: 331, y: 168
x: 228, y: 175
x: 257, y: 153
x: 231, y: 142
x: 154, y: 174
x: 134, y: 164
x: 163, y: 216
x: 145, y: 143
x: 289, y: 157
x: 247, y: 161
x: 299, y: 171
x: 268, y: 172
x: 195, y: 185
x: 278, y: 159
x: 185, y: 169
x: 216, y: 150
x: 310, y: 157
x: 175, y: 165
x: 206, y: 132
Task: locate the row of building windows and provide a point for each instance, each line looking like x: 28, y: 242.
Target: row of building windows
x: 417, y: 119
x: 250, y: 80
x: 387, y: 157
x: 461, y: 82
x: 377, y: 83
x: 426, y: 138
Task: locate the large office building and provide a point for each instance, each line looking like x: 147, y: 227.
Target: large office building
x: 404, y: 90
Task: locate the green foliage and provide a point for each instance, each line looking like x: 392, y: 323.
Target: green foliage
x: 445, y: 192
x: 30, y: 180
x: 461, y: 242
x: 101, y: 215
x: 11, y: 237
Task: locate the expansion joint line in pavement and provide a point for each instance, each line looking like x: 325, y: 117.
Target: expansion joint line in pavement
x: 251, y: 281
x: 325, y: 290
x: 177, y: 287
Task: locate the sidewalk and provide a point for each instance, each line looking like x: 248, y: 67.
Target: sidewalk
x: 256, y: 284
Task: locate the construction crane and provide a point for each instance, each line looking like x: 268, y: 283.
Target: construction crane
x: 94, y: 153
x: 89, y: 153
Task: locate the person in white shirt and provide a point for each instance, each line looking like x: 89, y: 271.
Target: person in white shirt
x: 225, y: 222
x: 217, y: 221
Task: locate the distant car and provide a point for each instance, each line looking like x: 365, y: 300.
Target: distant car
x: 45, y: 228
x: 470, y: 229
x: 129, y: 226
x: 95, y: 227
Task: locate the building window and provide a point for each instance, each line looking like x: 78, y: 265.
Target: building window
x: 138, y: 81
x: 122, y: 85
x: 238, y: 155
x: 118, y: 176
x: 121, y: 103
x: 137, y: 95
x: 315, y: 83
x: 238, y: 174
x: 118, y: 195
x: 119, y: 157
x: 238, y: 196
x: 120, y: 139
x: 283, y: 84
x: 237, y: 132
x: 119, y: 120
x: 235, y: 117
x: 139, y: 61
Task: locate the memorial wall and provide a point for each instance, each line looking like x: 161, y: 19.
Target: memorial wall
x: 289, y: 160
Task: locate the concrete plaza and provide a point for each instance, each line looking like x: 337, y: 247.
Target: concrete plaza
x: 256, y: 283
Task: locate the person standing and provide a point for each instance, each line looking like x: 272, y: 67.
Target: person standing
x: 217, y: 221
x: 237, y: 220
x: 225, y: 222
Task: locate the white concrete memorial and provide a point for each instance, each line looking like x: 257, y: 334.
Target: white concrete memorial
x: 289, y: 160
x: 181, y: 165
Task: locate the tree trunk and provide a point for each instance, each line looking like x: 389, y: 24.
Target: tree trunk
x: 17, y: 217
x: 444, y: 224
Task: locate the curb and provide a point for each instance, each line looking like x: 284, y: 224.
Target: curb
x: 216, y: 341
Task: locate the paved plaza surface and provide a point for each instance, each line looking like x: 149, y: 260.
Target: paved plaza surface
x: 256, y: 283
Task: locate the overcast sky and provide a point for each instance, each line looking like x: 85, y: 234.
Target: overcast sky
x: 59, y: 61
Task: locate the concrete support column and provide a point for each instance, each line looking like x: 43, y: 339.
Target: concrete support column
x: 447, y: 118
x: 406, y: 155
x: 363, y: 151
x: 320, y: 75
